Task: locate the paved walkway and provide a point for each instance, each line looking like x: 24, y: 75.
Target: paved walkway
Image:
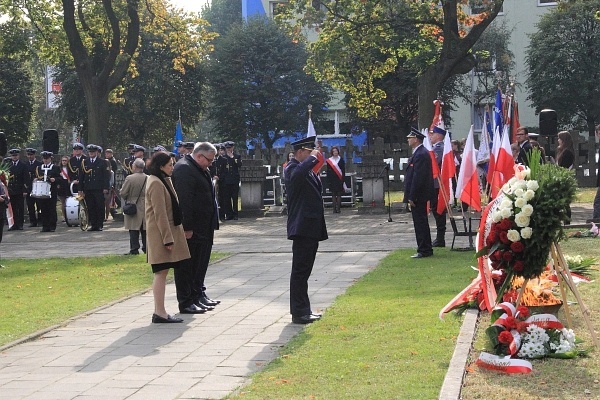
x: 116, y: 353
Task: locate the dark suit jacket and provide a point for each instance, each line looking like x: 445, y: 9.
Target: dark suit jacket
x: 94, y: 175
x: 196, y: 195
x: 418, y: 181
x: 18, y: 178
x: 524, y: 153
x: 306, y: 214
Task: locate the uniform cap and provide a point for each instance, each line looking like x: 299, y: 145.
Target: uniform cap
x: 306, y: 143
x: 14, y: 151
x: 159, y: 148
x: 437, y: 129
x: 46, y: 154
x: 414, y: 132
x: 180, y: 143
x: 92, y: 147
x: 137, y: 148
x: 229, y: 143
x: 77, y: 146
x: 189, y: 145
x: 131, y: 146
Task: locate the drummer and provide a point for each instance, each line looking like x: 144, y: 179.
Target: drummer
x: 48, y: 172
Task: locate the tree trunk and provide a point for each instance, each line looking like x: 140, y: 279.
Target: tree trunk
x: 98, y: 115
x: 427, y: 88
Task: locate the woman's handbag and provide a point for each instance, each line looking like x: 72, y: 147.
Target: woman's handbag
x: 131, y: 208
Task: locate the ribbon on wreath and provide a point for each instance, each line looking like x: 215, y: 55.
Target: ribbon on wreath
x: 503, y: 364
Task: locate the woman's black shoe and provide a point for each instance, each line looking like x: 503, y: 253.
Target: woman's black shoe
x: 157, y: 319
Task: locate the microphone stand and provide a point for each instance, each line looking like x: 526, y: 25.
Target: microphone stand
x: 387, y: 176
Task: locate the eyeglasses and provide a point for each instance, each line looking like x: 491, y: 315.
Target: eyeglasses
x: 521, y: 134
x: 210, y: 160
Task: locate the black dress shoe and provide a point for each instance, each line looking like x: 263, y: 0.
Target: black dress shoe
x: 203, y: 307
x: 193, y: 309
x: 438, y: 243
x: 157, y: 319
x: 420, y: 255
x: 45, y: 230
x: 95, y: 230
x: 202, y: 301
x: 305, y: 319
x: 210, y: 301
x: 33, y: 225
x: 132, y: 253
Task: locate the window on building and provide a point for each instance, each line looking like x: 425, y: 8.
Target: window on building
x: 275, y: 7
x: 547, y: 2
x: 479, y: 6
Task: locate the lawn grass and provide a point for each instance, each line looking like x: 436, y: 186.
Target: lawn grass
x: 39, y: 293
x: 382, y: 339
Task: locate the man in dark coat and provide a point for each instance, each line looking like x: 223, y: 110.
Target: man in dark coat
x: 418, y: 190
x: 229, y: 181
x: 305, y: 224
x: 18, y: 178
x: 437, y: 136
x: 526, y: 148
x: 33, y: 204
x: 94, y: 183
x: 196, y: 194
x: 50, y: 173
x: 75, y: 165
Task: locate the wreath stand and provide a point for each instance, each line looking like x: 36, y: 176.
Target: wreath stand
x: 561, y: 268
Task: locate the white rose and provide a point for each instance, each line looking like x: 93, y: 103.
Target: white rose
x: 522, y: 220
x: 526, y: 173
x: 527, y: 210
x: 506, y: 203
x: 529, y: 194
x: 519, y: 192
x: 521, y: 185
x: 526, y: 233
x: 513, y: 235
x: 506, y: 212
x: 520, y: 203
x: 512, y: 180
x: 496, y: 216
x: 532, y: 185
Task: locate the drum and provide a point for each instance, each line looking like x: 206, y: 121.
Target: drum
x: 72, y: 208
x: 40, y: 190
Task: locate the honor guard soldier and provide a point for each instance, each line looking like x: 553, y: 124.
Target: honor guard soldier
x: 33, y: 205
x: 229, y: 175
x: 75, y: 165
x: 189, y: 147
x: 50, y: 173
x: 18, y: 177
x: 129, y: 160
x: 94, y: 183
x: 215, y: 168
x: 180, y: 149
x: 437, y: 136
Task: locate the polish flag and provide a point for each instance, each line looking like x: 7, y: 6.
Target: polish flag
x: 467, y: 186
x: 438, y: 120
x: 435, y: 168
x: 493, y: 157
x: 446, y: 175
x: 312, y: 132
x: 505, y: 163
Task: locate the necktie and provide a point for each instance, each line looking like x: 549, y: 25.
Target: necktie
x: 93, y: 159
x: 15, y: 163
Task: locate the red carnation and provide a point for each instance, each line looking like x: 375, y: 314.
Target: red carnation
x: 505, y: 224
x: 523, y: 312
x: 517, y: 247
x: 504, y: 237
x: 519, y: 266
x: 510, y: 322
x: 505, y: 337
x: 507, y: 256
x: 492, y: 238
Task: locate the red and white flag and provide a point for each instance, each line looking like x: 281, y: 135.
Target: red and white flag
x: 448, y: 172
x: 467, y: 186
x: 493, y: 157
x: 438, y: 119
x: 505, y: 163
x: 312, y: 132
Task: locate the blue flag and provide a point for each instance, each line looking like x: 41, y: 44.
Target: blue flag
x: 498, y: 122
x: 178, y: 137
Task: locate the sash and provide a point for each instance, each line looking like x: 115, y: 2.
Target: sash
x: 336, y: 168
x: 64, y: 174
x: 503, y: 364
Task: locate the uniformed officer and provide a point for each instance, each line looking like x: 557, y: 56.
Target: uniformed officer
x: 180, y: 149
x: 18, y: 176
x: 305, y: 224
x: 48, y: 172
x: 418, y: 190
x: 437, y: 136
x: 215, y: 168
x: 33, y: 205
x: 75, y: 164
x: 94, y: 183
x: 229, y: 176
x: 127, y: 168
x: 188, y: 147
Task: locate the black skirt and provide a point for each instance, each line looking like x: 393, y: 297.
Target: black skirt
x: 162, y: 266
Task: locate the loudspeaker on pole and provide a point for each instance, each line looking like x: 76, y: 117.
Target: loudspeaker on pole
x: 548, y: 123
x: 50, y: 141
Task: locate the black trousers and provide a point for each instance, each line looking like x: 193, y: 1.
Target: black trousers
x: 189, y: 277
x: 303, y: 259
x: 230, y: 199
x: 18, y: 208
x: 440, y: 219
x: 134, y: 240
x: 421, y: 224
x: 48, y: 208
x: 94, y: 199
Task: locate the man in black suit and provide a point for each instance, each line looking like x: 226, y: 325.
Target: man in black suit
x: 75, y: 165
x: 229, y: 181
x: 33, y: 205
x: 418, y: 190
x: 305, y: 224
x: 522, y: 136
x: 94, y: 183
x: 196, y: 194
x: 48, y: 172
x: 18, y: 178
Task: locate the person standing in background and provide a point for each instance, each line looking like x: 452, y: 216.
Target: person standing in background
x: 18, y: 180
x: 64, y: 185
x: 229, y: 175
x: 336, y: 173
x: 94, y: 183
x: 50, y: 173
x: 133, y: 191
x: 437, y: 136
x: 33, y: 205
x: 565, y: 157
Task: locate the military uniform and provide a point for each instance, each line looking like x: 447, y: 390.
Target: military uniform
x: 75, y: 165
x: 50, y: 173
x: 18, y: 178
x: 440, y: 219
x: 94, y: 181
x: 229, y: 178
x: 33, y: 205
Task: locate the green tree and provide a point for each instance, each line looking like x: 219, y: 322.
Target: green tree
x: 16, y: 85
x: 222, y: 14
x: 434, y: 41
x: 259, y: 90
x: 563, y: 58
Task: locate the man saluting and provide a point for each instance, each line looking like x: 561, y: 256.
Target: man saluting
x: 305, y: 225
